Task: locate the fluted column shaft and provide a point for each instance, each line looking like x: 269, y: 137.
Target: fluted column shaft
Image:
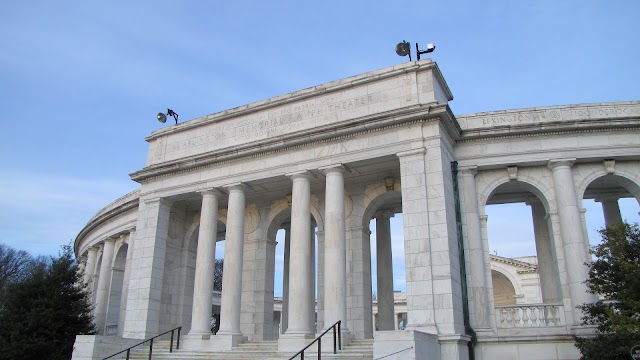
x: 90, y: 267
x: 284, y: 314
x: 102, y: 294
x: 205, y: 265
x: 335, y: 278
x: 575, y: 247
x: 300, y: 257
x: 384, y: 267
x: 233, y: 253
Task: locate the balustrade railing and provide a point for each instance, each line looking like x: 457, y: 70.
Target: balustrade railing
x: 337, y: 342
x: 529, y: 315
x: 111, y: 330
x: 127, y: 351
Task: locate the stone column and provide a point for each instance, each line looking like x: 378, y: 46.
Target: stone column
x: 312, y: 279
x: 232, y: 281
x: 284, y: 315
x: 127, y: 276
x: 205, y: 265
x: 335, y: 256
x: 90, y: 267
x: 477, y: 257
x: 320, y: 280
x: 610, y: 209
x: 300, y: 258
x: 102, y: 294
x: 573, y: 240
x: 384, y: 266
x: 547, y: 267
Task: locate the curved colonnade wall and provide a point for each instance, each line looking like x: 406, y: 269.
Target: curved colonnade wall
x: 322, y: 162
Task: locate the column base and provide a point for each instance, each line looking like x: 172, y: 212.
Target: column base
x: 220, y: 342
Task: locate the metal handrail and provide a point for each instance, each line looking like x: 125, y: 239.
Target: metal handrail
x: 150, y: 340
x: 319, y: 340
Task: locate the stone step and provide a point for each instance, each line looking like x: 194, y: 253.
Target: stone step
x: 266, y: 350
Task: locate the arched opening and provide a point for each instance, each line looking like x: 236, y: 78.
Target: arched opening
x: 520, y: 236
x: 383, y: 217
x: 608, y: 200
x: 503, y: 291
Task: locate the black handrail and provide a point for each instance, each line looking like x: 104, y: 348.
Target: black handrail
x: 150, y: 340
x: 319, y: 340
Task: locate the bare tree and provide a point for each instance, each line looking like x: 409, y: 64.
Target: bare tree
x: 14, y: 266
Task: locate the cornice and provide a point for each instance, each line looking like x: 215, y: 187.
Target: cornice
x: 116, y: 208
x: 529, y: 267
x: 556, y: 128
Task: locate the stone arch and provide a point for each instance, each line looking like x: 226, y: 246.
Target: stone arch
x: 375, y: 196
x: 543, y: 191
x: 547, y: 238
x: 280, y: 210
x: 504, y: 284
x: 621, y: 177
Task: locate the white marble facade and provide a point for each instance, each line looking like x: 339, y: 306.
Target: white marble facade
x: 321, y: 163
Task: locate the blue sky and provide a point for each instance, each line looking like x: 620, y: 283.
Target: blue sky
x: 81, y: 82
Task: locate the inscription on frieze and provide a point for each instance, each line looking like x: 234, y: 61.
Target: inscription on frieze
x: 552, y: 115
x: 274, y: 122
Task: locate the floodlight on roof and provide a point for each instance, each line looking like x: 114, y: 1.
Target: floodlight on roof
x: 163, y: 118
x: 403, y: 49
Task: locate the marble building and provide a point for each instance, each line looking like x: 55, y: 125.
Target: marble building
x: 321, y: 163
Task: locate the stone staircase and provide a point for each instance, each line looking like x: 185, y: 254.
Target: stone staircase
x: 265, y: 350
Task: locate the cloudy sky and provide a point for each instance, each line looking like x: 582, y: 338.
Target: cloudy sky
x: 82, y: 81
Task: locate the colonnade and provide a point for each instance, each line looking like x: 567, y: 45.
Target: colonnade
x: 554, y: 231
x: 100, y: 280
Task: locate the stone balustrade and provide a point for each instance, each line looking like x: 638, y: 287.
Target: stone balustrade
x: 529, y: 315
x: 111, y: 330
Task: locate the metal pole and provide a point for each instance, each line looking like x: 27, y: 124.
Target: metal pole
x: 128, y: 351
x: 319, y: 348
x: 334, y: 339
x: 339, y: 336
x: 171, y: 343
x: 150, y: 348
x: 178, y: 344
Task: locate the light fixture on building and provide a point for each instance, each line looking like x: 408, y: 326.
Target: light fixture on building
x: 163, y: 118
x: 430, y: 48
x: 403, y: 49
